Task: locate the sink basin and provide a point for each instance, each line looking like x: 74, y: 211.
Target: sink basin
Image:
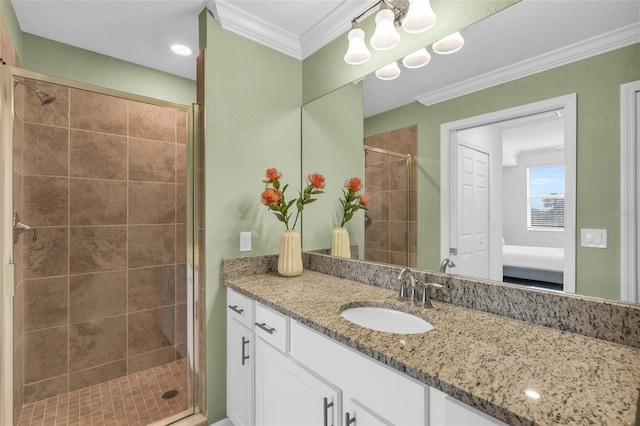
x: 388, y: 320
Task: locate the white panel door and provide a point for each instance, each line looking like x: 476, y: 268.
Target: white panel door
x: 473, y: 213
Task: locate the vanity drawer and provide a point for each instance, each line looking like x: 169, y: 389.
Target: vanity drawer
x: 240, y: 308
x: 272, y: 327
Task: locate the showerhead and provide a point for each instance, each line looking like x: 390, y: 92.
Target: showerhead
x: 45, y: 98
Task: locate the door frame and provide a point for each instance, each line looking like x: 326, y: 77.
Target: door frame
x: 629, y: 193
x: 448, y: 171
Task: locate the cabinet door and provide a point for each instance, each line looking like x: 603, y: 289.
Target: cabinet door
x: 363, y: 415
x: 447, y: 411
x: 288, y: 394
x: 240, y: 342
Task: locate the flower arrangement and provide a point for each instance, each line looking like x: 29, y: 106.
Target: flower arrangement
x: 273, y: 196
x: 353, y: 202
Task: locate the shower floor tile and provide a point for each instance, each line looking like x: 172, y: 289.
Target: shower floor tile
x: 133, y: 400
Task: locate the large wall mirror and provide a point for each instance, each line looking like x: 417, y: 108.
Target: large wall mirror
x: 588, y: 50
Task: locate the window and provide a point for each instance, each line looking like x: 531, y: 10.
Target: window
x: 545, y: 197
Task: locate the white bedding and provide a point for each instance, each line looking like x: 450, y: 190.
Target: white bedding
x: 549, y: 258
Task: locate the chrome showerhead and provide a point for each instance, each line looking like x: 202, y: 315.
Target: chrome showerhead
x: 45, y: 98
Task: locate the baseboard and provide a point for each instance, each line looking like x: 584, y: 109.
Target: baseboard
x: 223, y: 422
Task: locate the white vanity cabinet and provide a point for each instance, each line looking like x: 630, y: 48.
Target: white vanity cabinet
x: 280, y: 372
x: 240, y: 359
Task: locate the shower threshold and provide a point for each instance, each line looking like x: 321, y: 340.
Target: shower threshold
x: 133, y: 400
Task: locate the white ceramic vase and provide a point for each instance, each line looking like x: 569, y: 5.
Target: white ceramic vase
x: 290, y: 257
x: 340, y: 245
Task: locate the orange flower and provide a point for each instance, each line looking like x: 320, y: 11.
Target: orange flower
x: 354, y: 184
x: 316, y: 180
x: 272, y: 175
x: 271, y: 196
x: 365, y: 200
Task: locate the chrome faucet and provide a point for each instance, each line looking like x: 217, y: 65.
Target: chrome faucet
x: 403, y: 285
x: 446, y: 263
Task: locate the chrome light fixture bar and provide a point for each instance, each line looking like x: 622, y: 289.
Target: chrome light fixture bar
x: 414, y: 16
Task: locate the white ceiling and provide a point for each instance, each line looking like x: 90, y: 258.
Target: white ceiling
x: 141, y: 31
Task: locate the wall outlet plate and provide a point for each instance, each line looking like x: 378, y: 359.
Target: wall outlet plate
x: 245, y: 241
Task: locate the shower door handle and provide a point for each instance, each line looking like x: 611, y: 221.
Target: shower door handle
x: 19, y: 228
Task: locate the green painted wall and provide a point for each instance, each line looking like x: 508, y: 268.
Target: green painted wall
x: 253, y: 97
x: 597, y: 83
x: 332, y: 124
x: 8, y: 16
x: 61, y: 60
x: 326, y: 70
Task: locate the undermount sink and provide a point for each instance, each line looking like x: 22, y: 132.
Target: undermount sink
x: 385, y: 319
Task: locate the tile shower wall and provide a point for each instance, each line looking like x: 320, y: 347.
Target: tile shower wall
x: 104, y: 292
x: 387, y: 183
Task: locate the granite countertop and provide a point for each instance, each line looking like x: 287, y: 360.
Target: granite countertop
x: 483, y: 360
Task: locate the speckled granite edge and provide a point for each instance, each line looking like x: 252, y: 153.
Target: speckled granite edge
x: 611, y: 321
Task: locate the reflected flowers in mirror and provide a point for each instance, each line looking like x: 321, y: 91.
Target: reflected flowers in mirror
x: 352, y: 201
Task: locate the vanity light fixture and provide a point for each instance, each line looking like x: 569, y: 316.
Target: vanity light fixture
x: 180, y: 49
x: 413, y: 15
x: 449, y: 44
x: 417, y: 59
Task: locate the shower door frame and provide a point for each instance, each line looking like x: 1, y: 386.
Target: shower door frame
x: 410, y: 185
x: 6, y: 234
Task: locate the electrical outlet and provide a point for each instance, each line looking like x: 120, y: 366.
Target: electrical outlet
x: 245, y: 241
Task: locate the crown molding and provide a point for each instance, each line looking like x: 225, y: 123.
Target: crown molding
x: 250, y: 26
x: 616, y: 39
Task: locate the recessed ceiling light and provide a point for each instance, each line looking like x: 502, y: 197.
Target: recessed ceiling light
x: 180, y: 49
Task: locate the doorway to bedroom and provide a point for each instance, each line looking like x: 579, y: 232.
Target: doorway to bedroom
x: 509, y: 214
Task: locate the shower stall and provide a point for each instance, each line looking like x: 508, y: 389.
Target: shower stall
x: 390, y: 222
x: 98, y: 255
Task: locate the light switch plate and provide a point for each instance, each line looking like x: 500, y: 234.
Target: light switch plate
x: 593, y: 238
x: 245, y: 241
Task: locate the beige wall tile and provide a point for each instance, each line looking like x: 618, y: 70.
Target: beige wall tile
x: 18, y: 144
x: 18, y: 379
x: 181, y: 127
x: 98, y: 113
x: 100, y: 374
x: 45, y: 389
x: 151, y: 330
x: 398, y: 175
x: 378, y: 141
x: 181, y: 203
x: 94, y: 296
x: 181, y: 163
x: 97, y: 155
x: 181, y: 283
x: 398, y: 202
x: 97, y: 248
x: 181, y: 323
x: 97, y: 202
x: 45, y: 302
x: 397, y: 232
x: 152, y: 161
x: 46, y: 201
x: 151, y: 245
x: 45, y: 354
x: 404, y: 140
x: 151, y: 287
x: 97, y: 342
x: 151, y: 359
x: 48, y: 256
x: 181, y: 243
x: 152, y: 203
x: 152, y: 122
x: 46, y: 150
x: 18, y: 314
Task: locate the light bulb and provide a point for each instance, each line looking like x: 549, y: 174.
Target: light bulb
x: 388, y: 72
x: 357, y: 52
x: 385, y: 36
x: 450, y: 44
x: 420, y: 17
x: 417, y: 59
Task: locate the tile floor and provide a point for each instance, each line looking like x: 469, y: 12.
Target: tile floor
x: 133, y: 400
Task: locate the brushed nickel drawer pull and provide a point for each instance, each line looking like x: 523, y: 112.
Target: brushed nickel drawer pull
x: 348, y: 419
x: 326, y: 405
x: 265, y: 327
x: 244, y: 355
x: 235, y: 309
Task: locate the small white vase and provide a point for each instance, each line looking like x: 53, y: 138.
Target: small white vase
x: 340, y: 242
x: 290, y: 257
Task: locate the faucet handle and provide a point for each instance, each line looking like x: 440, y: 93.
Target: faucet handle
x: 426, y: 295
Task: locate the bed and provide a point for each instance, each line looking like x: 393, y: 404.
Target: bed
x: 533, y: 263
